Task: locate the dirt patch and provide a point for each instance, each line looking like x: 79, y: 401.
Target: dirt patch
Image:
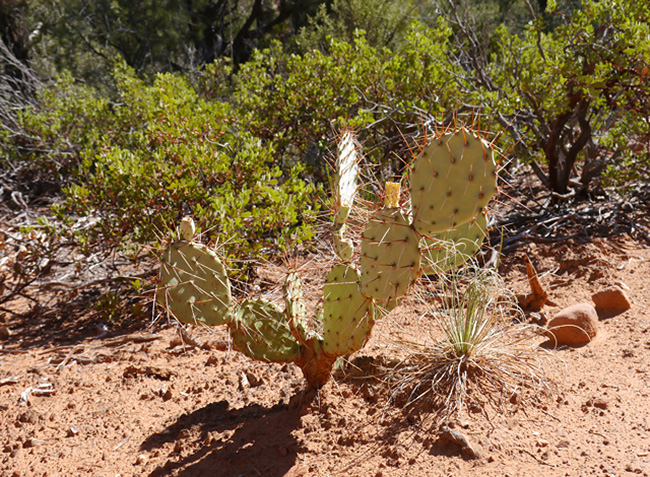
x: 79, y: 397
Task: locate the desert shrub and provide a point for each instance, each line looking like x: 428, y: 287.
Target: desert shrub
x: 302, y: 101
x: 138, y: 163
x: 385, y: 22
x: 63, y: 120
x: 177, y: 154
x: 570, y: 99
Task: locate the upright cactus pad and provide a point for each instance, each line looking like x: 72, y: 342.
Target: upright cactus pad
x: 347, y: 170
x: 260, y: 331
x: 447, y: 250
x: 194, y: 286
x: 453, y: 179
x: 348, y: 316
x: 390, y: 258
x: 294, y: 306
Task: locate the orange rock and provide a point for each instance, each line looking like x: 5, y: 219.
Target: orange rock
x: 611, y: 301
x: 575, y: 325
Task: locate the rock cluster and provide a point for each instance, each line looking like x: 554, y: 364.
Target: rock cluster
x: 577, y: 324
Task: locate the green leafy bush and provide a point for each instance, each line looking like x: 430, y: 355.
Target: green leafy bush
x: 68, y: 119
x: 571, y: 99
x: 302, y: 101
x: 158, y: 152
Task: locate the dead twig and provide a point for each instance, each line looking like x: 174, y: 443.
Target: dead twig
x: 538, y: 297
x: 65, y: 361
x: 120, y: 340
x: 11, y: 379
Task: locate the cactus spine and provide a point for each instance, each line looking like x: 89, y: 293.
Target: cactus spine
x: 452, y: 181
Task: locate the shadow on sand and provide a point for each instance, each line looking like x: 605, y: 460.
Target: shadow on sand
x: 250, y: 441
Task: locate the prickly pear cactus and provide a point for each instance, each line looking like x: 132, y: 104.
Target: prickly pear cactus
x: 295, y: 307
x: 451, y: 182
x: 260, y: 331
x: 194, y: 287
x: 345, y: 189
x: 347, y: 171
x: 453, y: 179
x: 187, y: 229
x: 343, y: 246
x: 390, y: 256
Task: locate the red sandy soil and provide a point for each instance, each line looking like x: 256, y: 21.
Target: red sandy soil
x: 127, y: 399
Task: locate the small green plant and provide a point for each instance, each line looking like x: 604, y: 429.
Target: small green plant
x: 108, y: 306
x: 453, y: 179
x: 487, y: 355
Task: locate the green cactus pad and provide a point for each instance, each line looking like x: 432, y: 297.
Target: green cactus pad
x: 453, y: 179
x: 447, y: 250
x: 345, y: 180
x: 390, y: 258
x: 194, y: 286
x: 295, y: 308
x: 348, y: 316
x: 260, y: 331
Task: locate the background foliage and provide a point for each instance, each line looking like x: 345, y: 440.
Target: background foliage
x: 137, y: 113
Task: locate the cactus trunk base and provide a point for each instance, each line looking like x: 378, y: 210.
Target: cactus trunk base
x: 316, y: 367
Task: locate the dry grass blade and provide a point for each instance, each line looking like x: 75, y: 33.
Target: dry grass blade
x: 482, y: 357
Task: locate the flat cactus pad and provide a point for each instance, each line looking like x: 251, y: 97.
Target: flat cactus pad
x: 194, y: 287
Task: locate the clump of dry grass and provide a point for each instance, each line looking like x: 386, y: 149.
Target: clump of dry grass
x: 484, y: 354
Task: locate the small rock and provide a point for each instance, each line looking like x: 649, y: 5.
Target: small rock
x: 29, y: 417
x: 253, y: 379
x: 72, y: 431
x: 4, y: 333
x: 297, y: 470
x: 601, y: 403
x: 575, y: 325
x: 468, y: 450
x: 141, y: 459
x: 539, y: 319
x: 611, y: 301
x: 563, y: 444
x: 243, y: 381
x: 175, y: 341
x: 32, y: 442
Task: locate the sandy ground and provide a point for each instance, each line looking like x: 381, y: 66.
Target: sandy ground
x: 125, y: 398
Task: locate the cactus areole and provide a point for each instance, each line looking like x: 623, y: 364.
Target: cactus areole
x: 452, y: 181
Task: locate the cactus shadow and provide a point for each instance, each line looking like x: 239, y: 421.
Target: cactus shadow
x: 250, y: 441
